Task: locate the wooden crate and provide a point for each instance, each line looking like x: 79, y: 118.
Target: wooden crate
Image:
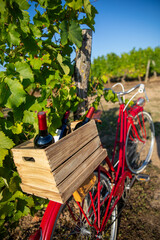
x: 58, y: 170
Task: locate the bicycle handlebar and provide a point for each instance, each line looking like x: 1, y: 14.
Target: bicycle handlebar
x: 120, y: 94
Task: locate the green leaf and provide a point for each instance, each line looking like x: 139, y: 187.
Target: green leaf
x: 87, y: 7
x: 46, y: 58
x: 29, y: 117
x: 5, y: 142
x: 3, y: 182
x: 14, y: 184
x: 65, y: 68
x: 36, y: 32
x: 4, y: 153
x: 75, y: 4
x: 23, y: 4
x: 17, y: 96
x: 13, y: 35
x: 75, y: 34
x: 4, y: 93
x: 2, y: 6
x: 36, y: 63
x: 24, y: 22
x: 17, y: 128
x: 24, y: 70
x: 64, y: 32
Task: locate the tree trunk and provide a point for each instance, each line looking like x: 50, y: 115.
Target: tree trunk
x: 82, y: 71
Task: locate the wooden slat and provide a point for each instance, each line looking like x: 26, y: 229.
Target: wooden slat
x: 37, y: 177
x: 26, y: 145
x: 42, y: 193
x: 72, y: 163
x: 73, y: 181
x: 67, y: 146
x: 78, y: 180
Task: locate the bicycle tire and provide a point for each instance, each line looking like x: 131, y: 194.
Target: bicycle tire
x: 66, y: 228
x: 138, y: 153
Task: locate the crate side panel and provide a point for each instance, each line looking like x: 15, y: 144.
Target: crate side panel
x: 42, y: 193
x: 70, y: 144
x: 75, y: 161
x: 30, y: 158
x: 37, y: 177
x: 77, y: 179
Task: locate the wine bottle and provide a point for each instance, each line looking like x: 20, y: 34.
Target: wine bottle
x: 43, y: 139
x: 64, y: 129
x: 87, y: 118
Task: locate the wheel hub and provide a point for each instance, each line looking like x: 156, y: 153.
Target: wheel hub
x: 85, y: 231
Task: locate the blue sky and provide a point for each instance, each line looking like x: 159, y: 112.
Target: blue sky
x: 124, y: 24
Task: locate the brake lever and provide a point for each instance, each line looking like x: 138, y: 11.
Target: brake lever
x: 146, y: 95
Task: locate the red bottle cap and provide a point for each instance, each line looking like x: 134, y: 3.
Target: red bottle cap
x: 66, y: 115
x: 90, y: 112
x: 42, y: 121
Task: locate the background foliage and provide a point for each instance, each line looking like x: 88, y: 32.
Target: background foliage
x: 129, y: 66
x: 35, y: 55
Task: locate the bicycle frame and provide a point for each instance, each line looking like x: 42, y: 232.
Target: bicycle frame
x: 117, y: 176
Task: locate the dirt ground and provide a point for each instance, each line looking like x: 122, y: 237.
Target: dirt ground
x: 140, y: 219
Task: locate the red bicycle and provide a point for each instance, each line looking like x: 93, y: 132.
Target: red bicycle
x: 96, y: 217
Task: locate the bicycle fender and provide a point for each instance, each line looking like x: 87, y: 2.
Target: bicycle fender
x: 103, y: 170
x: 134, y: 111
x: 49, y: 219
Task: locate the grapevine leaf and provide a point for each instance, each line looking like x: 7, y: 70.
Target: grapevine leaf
x: 24, y: 70
x: 46, y: 58
x: 87, y: 7
x: 23, y: 4
x: 5, y: 142
x: 75, y: 34
x: 17, y: 128
x: 14, y: 184
x: 13, y: 35
x: 75, y: 4
x: 4, y: 93
x: 64, y: 32
x: 36, y: 63
x: 37, y: 33
x: 18, y: 215
x: 3, y: 182
x: 6, y: 209
x: 17, y: 96
x: 36, y: 107
x: 2, y: 6
x: 4, y: 153
x: 65, y: 68
x: 24, y: 22
x: 29, y: 117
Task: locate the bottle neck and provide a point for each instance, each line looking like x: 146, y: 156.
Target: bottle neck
x: 89, y: 114
x: 43, y: 132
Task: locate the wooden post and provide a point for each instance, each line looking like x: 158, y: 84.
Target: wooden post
x: 82, y: 71
x: 147, y: 70
x: 154, y: 73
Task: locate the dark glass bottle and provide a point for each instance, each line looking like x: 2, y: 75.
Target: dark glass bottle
x: 43, y: 139
x: 86, y: 119
x: 64, y: 129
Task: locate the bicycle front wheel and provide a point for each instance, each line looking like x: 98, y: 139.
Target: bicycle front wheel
x: 139, y: 146
x: 72, y: 224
